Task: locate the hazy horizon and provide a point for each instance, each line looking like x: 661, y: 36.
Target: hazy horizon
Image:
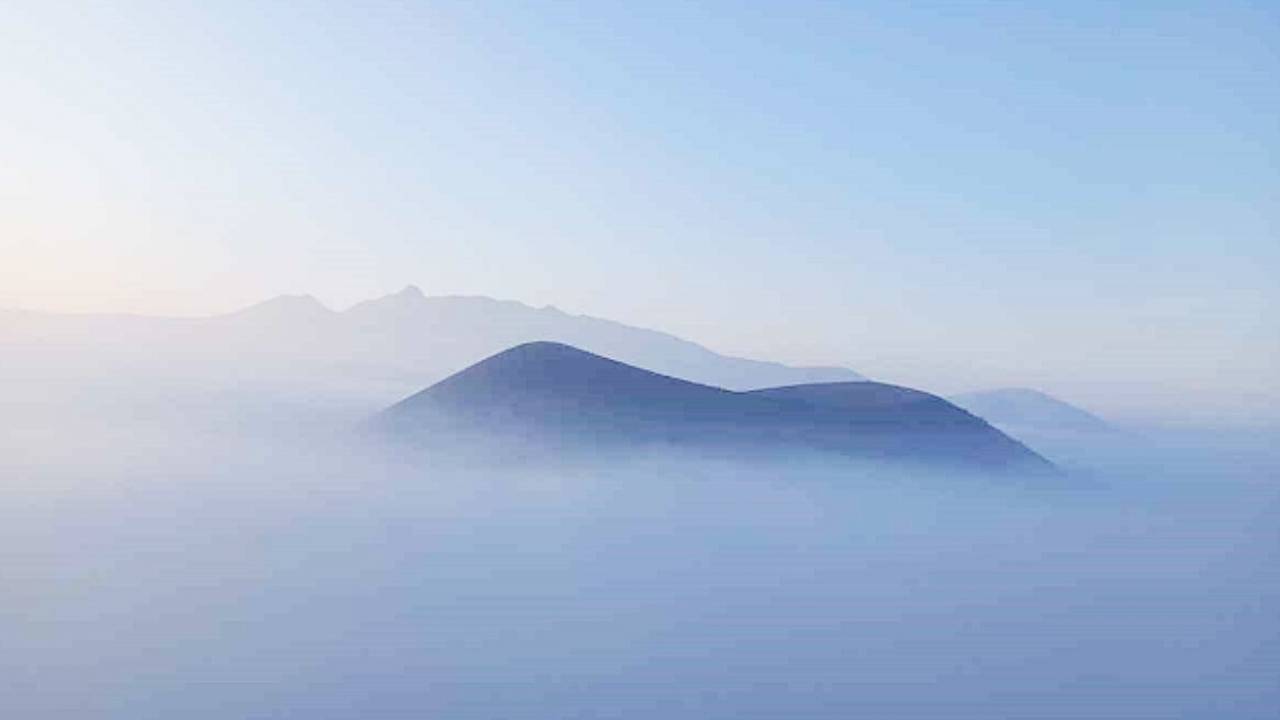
x: 1258, y: 413
x: 641, y: 375
x: 1075, y: 197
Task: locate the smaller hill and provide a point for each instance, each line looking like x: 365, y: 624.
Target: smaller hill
x: 891, y: 421
x: 1031, y: 410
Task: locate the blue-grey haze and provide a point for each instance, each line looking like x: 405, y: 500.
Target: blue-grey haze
x: 1075, y: 196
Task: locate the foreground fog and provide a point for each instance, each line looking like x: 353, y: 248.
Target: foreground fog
x: 158, y: 565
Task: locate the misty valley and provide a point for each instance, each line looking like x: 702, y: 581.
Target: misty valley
x: 437, y: 360
x: 470, y: 509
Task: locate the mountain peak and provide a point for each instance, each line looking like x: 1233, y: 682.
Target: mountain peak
x: 548, y: 349
x: 428, y: 336
x: 544, y: 365
x: 409, y: 297
x: 288, y: 305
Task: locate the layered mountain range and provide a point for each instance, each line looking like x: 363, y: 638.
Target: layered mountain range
x: 292, y: 348
x: 291, y: 357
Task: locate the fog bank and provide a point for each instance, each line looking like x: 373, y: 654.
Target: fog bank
x: 266, y: 569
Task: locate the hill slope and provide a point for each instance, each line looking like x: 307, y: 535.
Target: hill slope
x: 556, y: 395
x: 1031, y: 410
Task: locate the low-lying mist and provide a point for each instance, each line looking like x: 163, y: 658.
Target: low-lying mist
x: 221, y: 567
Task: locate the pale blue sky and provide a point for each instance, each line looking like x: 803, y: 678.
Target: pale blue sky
x: 1079, y: 196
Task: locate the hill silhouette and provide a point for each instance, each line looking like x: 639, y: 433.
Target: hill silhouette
x: 1029, y: 409
x: 554, y: 395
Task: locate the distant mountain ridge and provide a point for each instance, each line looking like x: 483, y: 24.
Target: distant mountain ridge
x: 294, y: 349
x: 551, y: 394
x: 1027, y: 409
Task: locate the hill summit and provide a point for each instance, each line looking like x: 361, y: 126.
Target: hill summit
x: 559, y: 396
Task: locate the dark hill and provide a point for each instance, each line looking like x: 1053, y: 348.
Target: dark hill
x: 875, y: 418
x: 557, y: 396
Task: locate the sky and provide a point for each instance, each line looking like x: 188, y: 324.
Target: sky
x: 1078, y: 196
